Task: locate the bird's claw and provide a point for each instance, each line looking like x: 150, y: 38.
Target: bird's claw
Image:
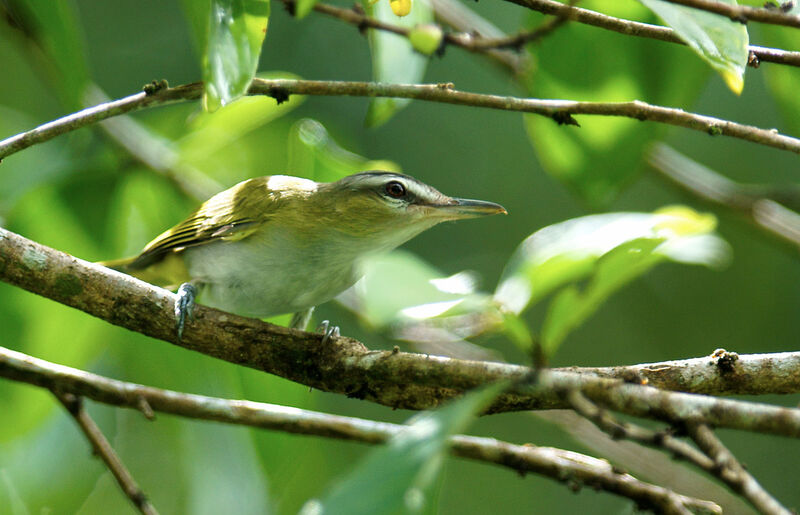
x: 328, y: 331
x: 184, y: 306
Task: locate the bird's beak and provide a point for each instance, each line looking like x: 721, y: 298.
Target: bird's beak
x: 459, y: 208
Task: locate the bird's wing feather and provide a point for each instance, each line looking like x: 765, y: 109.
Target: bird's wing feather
x: 231, y: 215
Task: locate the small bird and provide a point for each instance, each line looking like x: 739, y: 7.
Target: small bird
x: 280, y: 244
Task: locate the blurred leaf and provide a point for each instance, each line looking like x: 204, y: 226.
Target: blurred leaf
x: 570, y: 251
x: 719, y: 41
x: 303, y: 7
x: 782, y: 80
x: 26, y: 170
x: 424, y: 292
x: 144, y: 205
x: 230, y: 42
x: 313, y: 154
x: 613, y: 270
x: 394, y: 477
x: 393, y: 58
x: 211, y: 132
x: 601, y: 156
x: 53, y: 24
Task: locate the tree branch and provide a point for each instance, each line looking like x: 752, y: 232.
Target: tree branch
x: 102, y: 448
x: 729, y: 470
x: 343, y: 365
x: 743, y: 13
x: 722, y: 373
x: 645, y: 30
x: 559, y: 110
x: 557, y: 464
x: 717, y: 460
x: 765, y: 213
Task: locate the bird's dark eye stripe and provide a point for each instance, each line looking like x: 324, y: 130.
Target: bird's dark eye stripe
x: 395, y: 189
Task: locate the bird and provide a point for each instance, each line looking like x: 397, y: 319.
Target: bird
x: 281, y: 244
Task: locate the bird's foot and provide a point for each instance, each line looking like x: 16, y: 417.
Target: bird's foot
x: 328, y: 331
x: 184, y: 306
x: 301, y: 319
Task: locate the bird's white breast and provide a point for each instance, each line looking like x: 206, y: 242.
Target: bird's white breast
x: 271, y: 273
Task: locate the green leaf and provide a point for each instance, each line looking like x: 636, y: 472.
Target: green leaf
x: 211, y: 132
x: 394, y: 477
x: 613, y: 270
x: 54, y: 25
x: 393, y: 58
x: 313, y: 154
x: 27, y: 170
x: 380, y: 300
x: 570, y: 251
x: 303, y: 7
x: 230, y: 42
x: 721, y: 42
x: 597, y: 159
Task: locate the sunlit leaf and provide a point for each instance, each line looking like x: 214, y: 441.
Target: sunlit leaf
x: 380, y: 299
x: 393, y: 58
x: 720, y: 41
x: 569, y: 251
x: 395, y: 477
x: 230, y: 44
x: 211, y: 132
x: 571, y: 307
x: 314, y: 154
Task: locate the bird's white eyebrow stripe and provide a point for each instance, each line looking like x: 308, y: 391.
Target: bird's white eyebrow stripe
x: 377, y: 179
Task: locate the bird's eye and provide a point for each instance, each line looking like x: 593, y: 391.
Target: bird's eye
x: 395, y: 189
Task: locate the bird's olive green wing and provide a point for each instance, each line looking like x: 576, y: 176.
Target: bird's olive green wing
x: 231, y: 215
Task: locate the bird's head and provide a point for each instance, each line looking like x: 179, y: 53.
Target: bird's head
x: 392, y: 207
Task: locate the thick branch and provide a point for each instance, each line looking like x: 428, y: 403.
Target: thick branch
x: 722, y: 373
x: 559, y: 110
x: 557, y: 464
x: 645, y: 30
x: 102, y: 448
x: 343, y: 365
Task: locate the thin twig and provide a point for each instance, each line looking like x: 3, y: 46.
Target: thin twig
x: 619, y: 430
x: 743, y: 13
x: 765, y: 213
x: 645, y: 30
x: 464, y: 41
x: 557, y: 464
x: 729, y: 470
x: 519, y: 40
x: 717, y: 460
x: 561, y: 111
x: 343, y: 365
x: 102, y: 448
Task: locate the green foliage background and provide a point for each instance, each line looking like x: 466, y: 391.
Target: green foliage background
x: 84, y: 195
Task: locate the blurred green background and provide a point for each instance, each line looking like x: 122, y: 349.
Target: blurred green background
x: 84, y: 194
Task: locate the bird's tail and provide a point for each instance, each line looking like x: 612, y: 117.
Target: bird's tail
x: 120, y: 265
x: 167, y: 273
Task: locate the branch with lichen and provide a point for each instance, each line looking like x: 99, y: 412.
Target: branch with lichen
x: 560, y: 465
x: 345, y: 366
